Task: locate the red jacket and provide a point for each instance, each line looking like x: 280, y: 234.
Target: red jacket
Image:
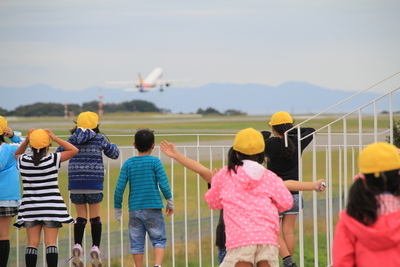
x: 364, y: 246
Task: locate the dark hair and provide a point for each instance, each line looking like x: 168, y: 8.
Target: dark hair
x: 2, y: 140
x: 144, y: 139
x: 38, y: 155
x: 288, y: 151
x: 362, y: 203
x: 235, y: 159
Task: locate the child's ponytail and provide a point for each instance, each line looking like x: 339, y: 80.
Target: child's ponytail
x: 290, y: 149
x: 38, y: 155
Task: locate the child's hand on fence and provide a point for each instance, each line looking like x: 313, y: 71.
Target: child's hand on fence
x: 321, y: 185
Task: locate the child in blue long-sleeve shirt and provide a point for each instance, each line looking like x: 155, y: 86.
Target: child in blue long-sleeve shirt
x: 10, y: 199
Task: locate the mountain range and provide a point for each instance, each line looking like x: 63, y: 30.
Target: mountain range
x: 254, y: 99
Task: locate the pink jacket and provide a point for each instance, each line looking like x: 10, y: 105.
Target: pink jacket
x: 363, y: 246
x: 251, y: 200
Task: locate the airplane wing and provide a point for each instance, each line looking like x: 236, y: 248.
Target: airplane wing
x: 140, y: 89
x: 171, y: 81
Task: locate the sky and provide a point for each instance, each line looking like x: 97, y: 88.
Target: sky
x: 73, y: 45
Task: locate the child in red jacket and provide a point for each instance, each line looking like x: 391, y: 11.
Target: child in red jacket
x: 368, y: 232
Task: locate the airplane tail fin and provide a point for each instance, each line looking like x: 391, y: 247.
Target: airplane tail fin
x: 140, y: 83
x: 140, y: 79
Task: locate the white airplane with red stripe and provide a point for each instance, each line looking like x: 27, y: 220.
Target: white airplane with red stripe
x: 150, y: 83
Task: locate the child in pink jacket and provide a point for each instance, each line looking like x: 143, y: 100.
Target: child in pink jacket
x: 251, y: 197
x: 368, y: 232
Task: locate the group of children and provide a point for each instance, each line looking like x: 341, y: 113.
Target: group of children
x: 257, y: 202
x: 42, y: 208
x: 252, y: 198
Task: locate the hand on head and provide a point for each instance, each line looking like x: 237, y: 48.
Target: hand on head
x: 29, y: 134
x: 51, y: 134
x: 8, y: 132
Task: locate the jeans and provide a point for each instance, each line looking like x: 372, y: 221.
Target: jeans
x: 221, y: 255
x: 149, y: 221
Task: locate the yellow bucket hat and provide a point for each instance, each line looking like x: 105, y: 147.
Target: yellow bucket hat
x: 280, y: 117
x: 378, y: 157
x: 39, y: 139
x: 87, y: 120
x: 249, y: 142
x: 3, y: 124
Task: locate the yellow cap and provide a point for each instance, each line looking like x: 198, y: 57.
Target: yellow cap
x: 280, y: 117
x: 39, y: 139
x: 249, y: 142
x: 87, y: 120
x: 378, y: 157
x: 3, y: 124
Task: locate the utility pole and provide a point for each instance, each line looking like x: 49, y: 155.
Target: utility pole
x: 100, y: 103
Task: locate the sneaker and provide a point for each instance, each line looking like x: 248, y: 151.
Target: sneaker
x: 288, y: 262
x: 77, y: 253
x: 97, y: 256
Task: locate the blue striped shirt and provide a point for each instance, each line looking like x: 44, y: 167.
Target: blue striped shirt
x: 146, y: 177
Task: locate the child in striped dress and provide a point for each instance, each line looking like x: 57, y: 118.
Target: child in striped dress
x: 42, y: 208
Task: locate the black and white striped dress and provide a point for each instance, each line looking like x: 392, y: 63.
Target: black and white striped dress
x: 41, y: 200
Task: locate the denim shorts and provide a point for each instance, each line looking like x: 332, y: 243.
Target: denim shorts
x: 149, y: 221
x: 48, y: 224
x: 86, y: 198
x: 295, y: 208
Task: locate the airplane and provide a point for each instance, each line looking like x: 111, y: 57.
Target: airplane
x: 150, y: 83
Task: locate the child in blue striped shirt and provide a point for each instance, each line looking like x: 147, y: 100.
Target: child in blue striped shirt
x: 146, y: 177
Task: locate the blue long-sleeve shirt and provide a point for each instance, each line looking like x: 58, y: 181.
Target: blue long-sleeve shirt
x: 146, y: 177
x: 9, y: 175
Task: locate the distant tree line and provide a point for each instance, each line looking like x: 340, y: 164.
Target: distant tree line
x: 212, y: 111
x: 59, y: 110
x: 56, y: 109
